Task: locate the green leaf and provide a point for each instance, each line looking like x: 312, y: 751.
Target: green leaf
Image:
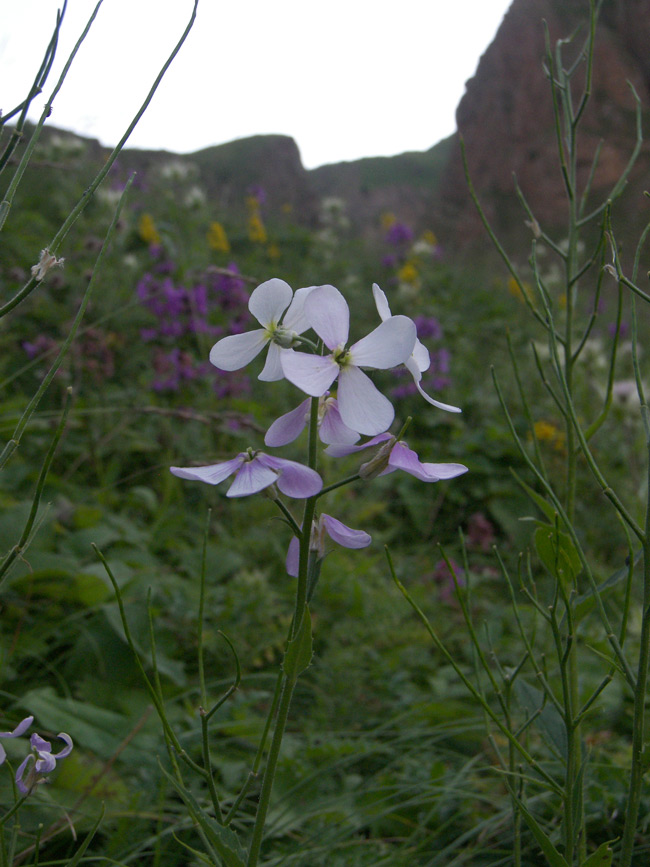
x: 224, y: 840
x: 300, y: 649
x: 558, y: 553
x: 539, y: 501
x: 602, y: 857
x: 86, y: 843
x: 553, y: 857
x: 585, y: 602
x: 548, y: 721
x: 96, y: 728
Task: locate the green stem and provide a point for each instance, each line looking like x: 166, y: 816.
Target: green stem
x: 269, y: 774
x: 288, y: 684
x: 638, y: 727
x: 18, y: 549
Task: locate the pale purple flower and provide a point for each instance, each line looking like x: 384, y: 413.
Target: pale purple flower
x: 401, y: 457
x: 336, y: 530
x: 255, y: 471
x: 331, y: 429
x: 267, y: 303
x: 419, y: 359
x: 363, y: 408
x: 42, y: 761
x: 20, y: 729
x: 399, y: 234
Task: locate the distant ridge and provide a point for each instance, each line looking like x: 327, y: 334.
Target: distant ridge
x: 506, y: 120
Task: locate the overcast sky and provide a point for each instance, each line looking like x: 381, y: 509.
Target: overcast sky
x: 345, y: 78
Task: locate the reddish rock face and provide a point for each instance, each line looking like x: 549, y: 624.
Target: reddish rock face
x: 506, y: 114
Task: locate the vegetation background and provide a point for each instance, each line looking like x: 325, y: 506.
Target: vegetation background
x: 387, y: 759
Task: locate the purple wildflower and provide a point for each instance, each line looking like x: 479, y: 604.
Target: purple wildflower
x: 254, y: 471
x: 42, y: 761
x: 20, y: 729
x: 322, y: 526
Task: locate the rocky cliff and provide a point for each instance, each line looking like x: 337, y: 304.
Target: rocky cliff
x: 506, y: 115
x: 506, y: 120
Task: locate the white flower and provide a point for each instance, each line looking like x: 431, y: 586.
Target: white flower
x: 362, y: 407
x: 419, y: 359
x: 267, y: 304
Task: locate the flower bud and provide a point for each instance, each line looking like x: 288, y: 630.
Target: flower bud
x: 376, y: 465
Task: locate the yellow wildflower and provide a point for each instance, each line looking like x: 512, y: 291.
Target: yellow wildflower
x: 515, y: 289
x: 387, y: 219
x: 546, y: 431
x: 430, y: 237
x: 147, y: 230
x: 408, y: 273
x: 217, y: 239
x: 273, y: 252
x: 256, y: 230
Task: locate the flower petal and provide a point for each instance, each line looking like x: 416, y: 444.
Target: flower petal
x: 272, y: 370
x: 446, y: 406
x: 381, y: 302
x: 20, y: 729
x: 404, y: 458
x: 269, y: 301
x: 288, y: 427
x: 312, y: 373
x: 294, y: 480
x: 67, y: 749
x: 236, y: 350
x: 344, y: 535
x: 22, y: 767
x: 388, y: 345
x: 293, y: 558
x: 252, y: 478
x: 420, y: 356
x: 45, y: 763
x: 445, y: 471
x: 332, y: 429
x: 40, y: 744
x: 339, y: 450
x: 294, y: 318
x: 212, y: 474
x: 363, y: 408
x: 328, y: 314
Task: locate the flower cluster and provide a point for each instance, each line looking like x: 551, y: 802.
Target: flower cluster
x: 315, y: 365
x: 40, y: 761
x: 179, y: 312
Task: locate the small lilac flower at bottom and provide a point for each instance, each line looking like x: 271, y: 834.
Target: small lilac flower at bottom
x: 401, y: 457
x: 255, y: 471
x: 336, y: 530
x: 42, y: 761
x: 20, y: 729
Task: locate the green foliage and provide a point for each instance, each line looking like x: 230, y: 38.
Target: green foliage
x: 386, y: 759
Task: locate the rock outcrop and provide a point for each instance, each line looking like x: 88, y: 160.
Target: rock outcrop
x: 507, y: 123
